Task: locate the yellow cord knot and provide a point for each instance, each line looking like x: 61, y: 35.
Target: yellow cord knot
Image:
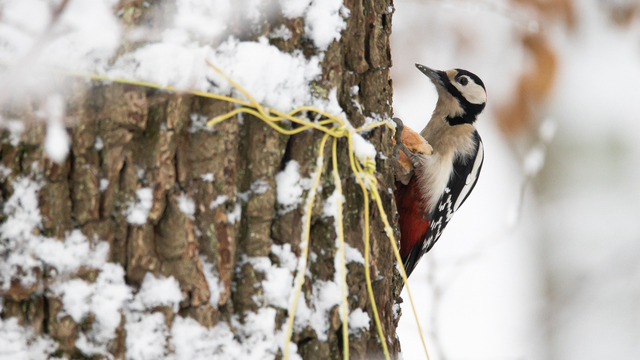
x: 340, y: 131
x: 369, y: 166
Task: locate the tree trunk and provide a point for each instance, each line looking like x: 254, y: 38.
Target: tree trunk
x: 139, y: 151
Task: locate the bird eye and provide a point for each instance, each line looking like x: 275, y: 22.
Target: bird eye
x: 463, y: 81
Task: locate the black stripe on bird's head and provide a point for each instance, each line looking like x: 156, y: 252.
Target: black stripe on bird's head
x: 465, y: 87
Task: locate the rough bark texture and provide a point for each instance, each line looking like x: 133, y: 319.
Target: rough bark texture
x: 147, y: 142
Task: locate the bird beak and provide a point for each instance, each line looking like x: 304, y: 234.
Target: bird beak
x: 435, y: 76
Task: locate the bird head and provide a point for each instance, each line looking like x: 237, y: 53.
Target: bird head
x: 461, y: 94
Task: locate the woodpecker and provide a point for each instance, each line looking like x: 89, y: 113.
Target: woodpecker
x: 441, y: 176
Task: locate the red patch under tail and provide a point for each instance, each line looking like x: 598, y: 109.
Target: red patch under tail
x: 412, y: 220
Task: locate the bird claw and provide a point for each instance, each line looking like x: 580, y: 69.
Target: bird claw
x: 398, y: 137
x: 416, y: 159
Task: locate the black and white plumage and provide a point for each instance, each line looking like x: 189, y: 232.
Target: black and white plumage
x: 443, y: 180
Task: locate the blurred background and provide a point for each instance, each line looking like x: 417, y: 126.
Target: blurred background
x: 543, y: 260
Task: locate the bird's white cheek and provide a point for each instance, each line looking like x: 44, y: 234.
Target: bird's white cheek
x: 474, y: 94
x: 477, y: 95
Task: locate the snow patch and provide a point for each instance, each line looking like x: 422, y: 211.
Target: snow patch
x: 147, y: 333
x: 255, y: 339
x: 324, y: 22
x: 216, y: 287
x: 277, y: 285
x: 195, y: 342
x: 22, y: 251
x: 281, y: 32
x: 235, y: 216
x: 294, y: 8
x: 88, y: 347
x: 74, y: 252
x: 158, y: 291
x: 352, y: 254
x: 99, y: 143
x: 287, y: 257
x: 15, y: 127
x: 187, y: 206
x: 330, y: 206
x: 198, y: 123
x: 324, y: 19
x: 274, y: 79
x: 221, y: 199
x: 202, y: 19
x: 56, y: 141
x: 290, y: 186
x: 207, y: 177
x: 259, y: 187
x: 18, y: 342
x: 358, y: 322
x: 139, y: 211
x: 185, y: 70
x: 104, y: 184
x: 362, y: 148
x: 325, y: 295
x: 104, y: 298
x: 22, y: 211
x: 76, y: 298
x: 146, y: 336
x: 396, y: 311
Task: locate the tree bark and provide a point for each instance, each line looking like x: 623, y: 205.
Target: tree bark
x: 126, y: 138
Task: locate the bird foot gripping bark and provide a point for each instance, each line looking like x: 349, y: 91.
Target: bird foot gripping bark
x: 408, y: 152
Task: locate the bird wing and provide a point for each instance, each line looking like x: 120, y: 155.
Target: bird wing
x: 463, y: 179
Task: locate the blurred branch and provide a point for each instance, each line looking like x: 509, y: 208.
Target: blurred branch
x: 524, y: 20
x: 56, y: 13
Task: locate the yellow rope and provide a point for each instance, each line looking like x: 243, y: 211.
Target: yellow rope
x: 251, y: 99
x: 340, y: 234
x: 373, y: 188
x: 304, y: 246
x: 306, y: 125
x: 340, y: 129
x: 367, y: 273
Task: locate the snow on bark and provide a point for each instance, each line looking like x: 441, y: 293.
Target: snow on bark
x: 85, y: 38
x: 139, y: 211
x: 18, y: 342
x: 23, y: 251
x: 290, y: 186
x: 358, y: 322
x: 187, y: 205
x: 57, y: 141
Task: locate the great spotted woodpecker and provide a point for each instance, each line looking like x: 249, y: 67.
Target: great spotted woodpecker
x: 436, y: 180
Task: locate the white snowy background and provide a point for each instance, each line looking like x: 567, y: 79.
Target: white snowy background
x: 557, y: 279
x: 562, y: 282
